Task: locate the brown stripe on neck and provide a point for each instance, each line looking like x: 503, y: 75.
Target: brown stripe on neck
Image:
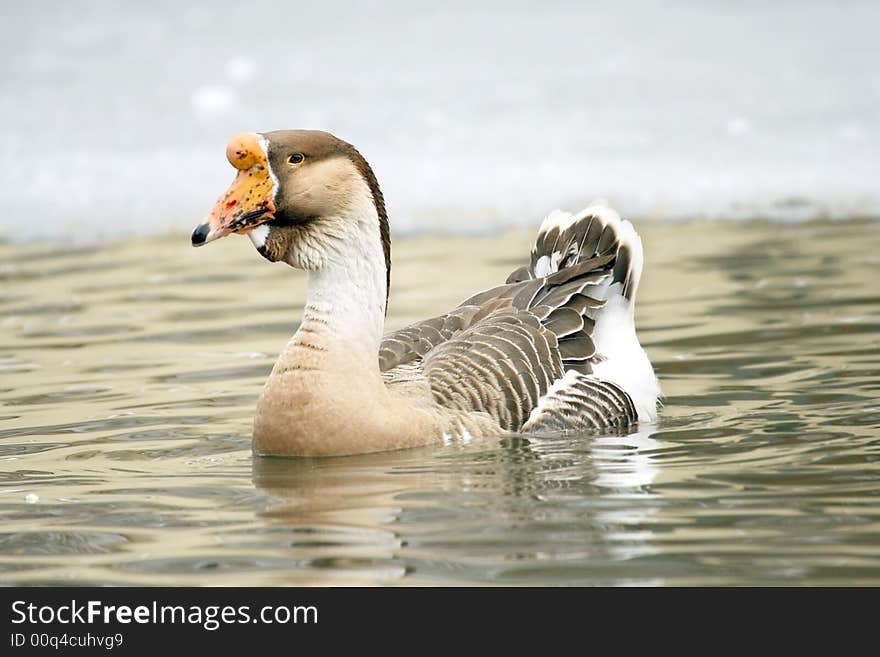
x: 378, y: 200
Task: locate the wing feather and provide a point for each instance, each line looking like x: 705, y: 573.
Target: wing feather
x: 524, y: 352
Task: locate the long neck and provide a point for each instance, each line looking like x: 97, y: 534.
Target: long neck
x: 345, y: 302
x: 344, y: 315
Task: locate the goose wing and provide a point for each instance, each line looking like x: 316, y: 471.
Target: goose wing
x: 524, y: 351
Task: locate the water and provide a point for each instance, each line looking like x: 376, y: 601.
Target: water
x: 130, y: 371
x: 114, y: 116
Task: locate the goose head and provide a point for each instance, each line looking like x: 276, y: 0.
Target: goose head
x: 302, y: 196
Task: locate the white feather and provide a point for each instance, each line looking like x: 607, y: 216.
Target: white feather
x: 625, y: 362
x: 549, y: 400
x: 542, y: 267
x: 557, y: 219
x: 264, y: 144
x: 258, y: 235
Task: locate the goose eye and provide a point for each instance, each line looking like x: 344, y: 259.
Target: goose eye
x: 296, y: 158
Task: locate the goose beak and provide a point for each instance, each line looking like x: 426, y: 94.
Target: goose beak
x: 249, y: 201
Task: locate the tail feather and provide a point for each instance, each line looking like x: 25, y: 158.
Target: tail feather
x: 565, y: 240
x: 568, y: 316
x: 574, y: 254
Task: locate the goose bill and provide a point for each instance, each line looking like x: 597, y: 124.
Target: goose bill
x: 249, y: 201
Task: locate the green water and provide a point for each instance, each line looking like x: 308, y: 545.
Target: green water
x: 129, y: 373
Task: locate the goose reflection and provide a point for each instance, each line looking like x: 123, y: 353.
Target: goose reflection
x: 522, y: 511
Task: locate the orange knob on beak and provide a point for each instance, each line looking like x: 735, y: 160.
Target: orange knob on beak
x: 250, y: 200
x: 242, y: 151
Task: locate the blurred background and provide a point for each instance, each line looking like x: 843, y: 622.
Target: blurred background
x: 114, y: 116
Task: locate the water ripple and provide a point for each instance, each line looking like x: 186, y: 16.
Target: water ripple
x: 131, y: 376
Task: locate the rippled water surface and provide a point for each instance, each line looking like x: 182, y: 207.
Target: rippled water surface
x: 129, y: 373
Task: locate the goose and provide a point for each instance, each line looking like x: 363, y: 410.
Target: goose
x: 551, y: 350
